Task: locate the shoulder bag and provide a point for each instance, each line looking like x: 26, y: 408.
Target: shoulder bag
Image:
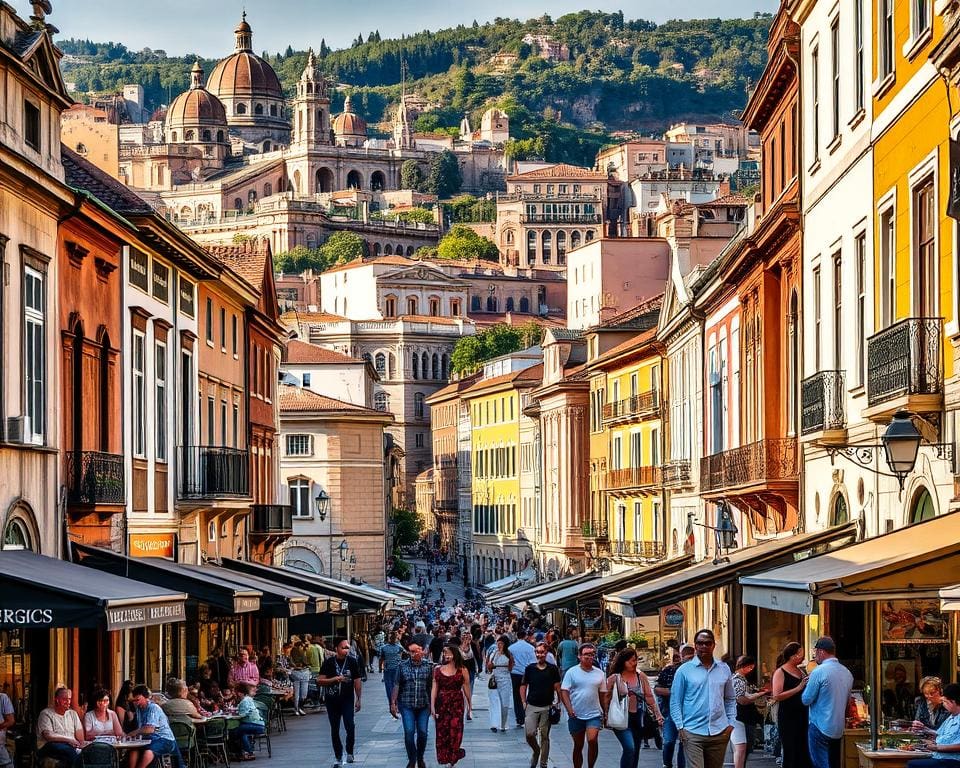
x: 618, y: 713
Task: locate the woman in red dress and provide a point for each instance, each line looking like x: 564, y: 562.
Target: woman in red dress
x: 450, y: 692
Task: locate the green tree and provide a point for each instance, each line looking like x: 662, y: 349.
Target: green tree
x: 299, y: 259
x: 408, y: 527
x: 411, y: 177
x: 444, y: 178
x: 465, y: 244
x: 342, y: 247
x: 470, y: 352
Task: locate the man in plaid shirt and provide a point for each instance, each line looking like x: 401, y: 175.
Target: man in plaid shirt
x: 411, y: 698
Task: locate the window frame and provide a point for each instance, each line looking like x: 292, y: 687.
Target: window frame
x: 301, y: 442
x: 138, y: 372
x: 35, y: 349
x: 160, y: 373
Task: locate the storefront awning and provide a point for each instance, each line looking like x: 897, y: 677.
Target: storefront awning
x: 44, y: 592
x: 521, y: 597
x: 355, y: 597
x: 600, y: 585
x: 198, y: 582
x: 917, y: 561
x: 950, y: 598
x: 278, y: 601
x: 708, y: 575
x: 514, y: 581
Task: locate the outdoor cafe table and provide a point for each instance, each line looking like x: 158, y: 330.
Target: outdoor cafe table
x: 888, y: 758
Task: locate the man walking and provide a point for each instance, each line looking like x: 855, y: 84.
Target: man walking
x: 523, y: 657
x: 826, y: 694
x: 703, y: 706
x: 539, y: 688
x: 662, y: 690
x: 411, y: 703
x: 340, y: 676
x: 390, y: 653
x: 584, y: 696
x: 567, y: 651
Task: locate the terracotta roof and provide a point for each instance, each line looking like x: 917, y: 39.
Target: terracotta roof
x: 515, y: 318
x: 635, y: 342
x: 312, y: 317
x: 399, y: 261
x: 431, y: 319
x: 248, y: 259
x: 641, y: 317
x: 302, y: 353
x: 84, y: 175
x: 727, y: 200
x: 243, y: 73
x: 196, y: 106
x: 560, y: 171
x: 454, y: 387
x: 298, y: 400
x: 533, y: 373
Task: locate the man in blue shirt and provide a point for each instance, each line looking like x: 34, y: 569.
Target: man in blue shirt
x: 152, y: 723
x: 703, y: 705
x: 826, y: 694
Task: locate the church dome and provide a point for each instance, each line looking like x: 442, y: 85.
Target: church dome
x: 244, y: 74
x: 348, y: 124
x: 195, y: 110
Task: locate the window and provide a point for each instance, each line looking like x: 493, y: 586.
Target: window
x: 888, y: 267
x: 455, y: 307
x: 306, y: 380
x: 920, y: 18
x: 380, y: 363
x: 161, y: 282
x: 299, y: 445
x: 835, y: 74
x: 837, y: 313
x: 186, y: 297
x: 860, y: 255
x: 209, y: 320
x: 817, y: 319
x: 223, y: 422
x: 886, y: 39
x: 531, y: 247
x: 925, y: 215
x: 236, y: 425
x: 381, y: 401
x: 160, y: 384
x: 418, y: 440
x: 636, y: 449
x: 139, y: 395
x: 616, y: 453
x: 858, y: 55
x: 434, y: 307
x: 233, y: 321
x: 31, y: 125
x: 139, y: 269
x: 815, y: 96
x: 390, y: 307
x: 211, y: 421
x: 418, y: 405
x: 411, y: 305
x: 223, y: 329
x: 300, y: 497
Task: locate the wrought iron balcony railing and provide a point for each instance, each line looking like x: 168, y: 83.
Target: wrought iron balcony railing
x: 272, y: 520
x: 594, y: 529
x: 676, y: 472
x: 560, y: 218
x: 645, y: 403
x: 762, y: 461
x: 905, y: 359
x: 93, y: 477
x: 209, y: 471
x: 821, y: 402
x: 643, y: 550
x: 633, y: 477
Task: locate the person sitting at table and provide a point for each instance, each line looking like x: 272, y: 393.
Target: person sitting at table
x: 930, y: 710
x: 124, y: 708
x: 178, y: 706
x: 229, y: 697
x: 945, y: 747
x: 251, y: 723
x: 99, y: 719
x: 60, y: 730
x: 152, y: 724
x: 244, y: 670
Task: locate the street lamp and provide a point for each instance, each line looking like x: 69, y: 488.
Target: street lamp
x: 343, y: 548
x: 725, y: 534
x: 322, y: 502
x: 901, y: 442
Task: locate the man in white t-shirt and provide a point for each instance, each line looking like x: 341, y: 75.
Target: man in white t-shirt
x: 60, y: 732
x: 584, y: 696
x: 7, y: 721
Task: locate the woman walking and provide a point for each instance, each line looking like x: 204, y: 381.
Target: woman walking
x: 299, y: 675
x: 634, y: 685
x: 451, y: 690
x: 787, y: 685
x: 748, y: 718
x: 499, y: 665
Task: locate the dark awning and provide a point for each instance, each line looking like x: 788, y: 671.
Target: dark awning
x: 279, y: 600
x: 200, y: 583
x: 523, y: 595
x: 356, y: 596
x: 44, y: 592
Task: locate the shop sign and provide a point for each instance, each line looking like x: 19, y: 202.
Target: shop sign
x: 297, y: 608
x: 151, y: 545
x: 133, y: 616
x: 245, y: 604
x: 672, y: 617
x: 27, y: 617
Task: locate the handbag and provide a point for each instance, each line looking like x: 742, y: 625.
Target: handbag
x: 618, y: 713
x: 554, y: 714
x: 492, y: 682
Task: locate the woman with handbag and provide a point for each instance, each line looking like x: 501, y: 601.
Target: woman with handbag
x: 632, y: 706
x: 499, y: 664
x: 748, y: 717
x: 787, y: 686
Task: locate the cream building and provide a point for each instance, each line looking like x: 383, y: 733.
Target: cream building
x: 87, y: 129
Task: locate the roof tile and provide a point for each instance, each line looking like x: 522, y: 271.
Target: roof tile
x: 300, y: 352
x: 298, y: 400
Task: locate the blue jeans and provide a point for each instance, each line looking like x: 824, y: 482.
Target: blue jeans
x: 630, y: 739
x: 415, y: 724
x: 61, y: 752
x: 824, y: 751
x: 244, y: 731
x: 671, y: 741
x: 389, y: 682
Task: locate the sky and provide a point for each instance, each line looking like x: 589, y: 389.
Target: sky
x: 205, y: 27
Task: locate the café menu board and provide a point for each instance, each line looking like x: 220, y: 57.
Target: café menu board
x: 914, y: 621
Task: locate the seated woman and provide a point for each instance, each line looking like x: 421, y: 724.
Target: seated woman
x: 251, y: 724
x: 124, y: 707
x: 930, y: 710
x: 211, y: 699
x: 99, y: 719
x: 177, y: 706
x: 946, y: 744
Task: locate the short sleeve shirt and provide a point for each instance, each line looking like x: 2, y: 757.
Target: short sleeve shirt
x: 739, y: 685
x: 540, y: 684
x: 665, y: 680
x: 585, y: 687
x: 390, y: 653
x: 153, y: 715
x: 66, y: 724
x: 333, y: 667
x: 6, y: 708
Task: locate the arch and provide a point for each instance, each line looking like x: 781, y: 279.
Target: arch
x: 354, y: 180
x: 207, y: 135
x: 491, y: 303
x: 546, y: 244
x: 590, y: 235
x: 425, y: 365
x: 509, y: 305
x: 921, y: 506
x: 241, y: 109
x: 220, y: 137
x: 524, y: 304
x: 324, y: 180
x: 267, y: 189
x: 445, y: 366
x: 398, y: 249
x: 531, y: 247
x: 20, y: 530
x: 311, y: 240
x: 273, y: 110
x: 388, y: 250
x: 186, y: 213
x: 237, y: 204
x: 509, y: 236
x: 839, y: 511
x: 258, y: 109
x: 575, y: 239
x: 416, y: 365
x: 380, y: 363
x: 378, y: 181
x: 266, y: 146
x: 475, y: 304
x: 188, y: 135
x: 410, y: 250
x: 252, y: 196
x: 377, y: 249
x: 561, y: 246
x: 381, y: 401
x: 296, y: 182
x: 435, y: 370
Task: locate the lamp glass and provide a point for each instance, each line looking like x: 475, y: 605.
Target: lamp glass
x: 901, y: 442
x: 322, y: 501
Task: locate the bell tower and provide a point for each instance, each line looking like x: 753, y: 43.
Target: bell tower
x: 311, y: 109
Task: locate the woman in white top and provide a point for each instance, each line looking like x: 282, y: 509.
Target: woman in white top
x: 499, y: 664
x: 100, y: 720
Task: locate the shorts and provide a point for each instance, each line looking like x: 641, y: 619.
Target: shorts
x: 739, y: 733
x: 579, y: 725
x: 162, y: 746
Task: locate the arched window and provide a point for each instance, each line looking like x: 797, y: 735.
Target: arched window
x: 16, y: 536
x: 574, y: 239
x: 220, y: 137
x: 509, y: 237
x: 418, y: 405
x: 412, y: 305
x: 324, y: 180
x: 267, y: 189
x: 266, y: 146
x: 922, y: 507
x: 388, y: 250
x: 425, y: 365
x: 241, y: 109
x: 509, y: 303
x: 839, y: 514
x: 252, y: 196
x: 524, y: 304
x: 173, y: 136
x: 398, y: 250
x: 237, y: 204
x: 409, y: 250
x: 436, y: 366
x: 378, y: 181
x: 354, y: 181
x: 273, y: 110
x: 381, y: 401
x: 531, y: 247
x: 207, y: 136
x: 296, y: 182
x: 547, y: 244
x: 416, y: 365
x: 390, y: 306
x: 590, y: 234
x: 188, y: 135
x: 491, y: 303
x: 445, y: 366
x: 258, y: 110
x: 475, y: 304
x: 380, y: 362
x: 377, y: 249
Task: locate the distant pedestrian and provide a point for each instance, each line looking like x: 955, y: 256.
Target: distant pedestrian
x: 567, y: 651
x: 633, y: 685
x: 411, y: 703
x: 703, y: 705
x: 584, y: 696
x: 826, y: 694
x: 539, y: 691
x: 390, y: 653
x: 340, y: 676
x: 787, y: 685
x: 451, y: 691
x: 748, y: 717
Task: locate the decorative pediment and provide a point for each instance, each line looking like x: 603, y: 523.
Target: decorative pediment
x: 420, y: 274
x: 42, y: 58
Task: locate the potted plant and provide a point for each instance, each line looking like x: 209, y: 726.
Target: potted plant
x: 638, y: 640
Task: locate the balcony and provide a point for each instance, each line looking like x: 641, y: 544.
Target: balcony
x: 271, y: 520
x: 560, y: 218
x: 821, y: 403
x: 637, y: 550
x: 676, y: 473
x: 644, y: 405
x: 633, y: 479
x: 93, y: 477
x: 905, y: 368
x: 753, y: 466
x: 210, y: 471
x: 595, y: 529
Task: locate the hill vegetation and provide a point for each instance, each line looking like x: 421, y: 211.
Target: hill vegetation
x: 621, y: 75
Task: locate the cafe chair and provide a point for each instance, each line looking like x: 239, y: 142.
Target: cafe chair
x: 260, y: 738
x: 274, y: 709
x: 186, y: 736
x: 98, y: 755
x: 213, y: 745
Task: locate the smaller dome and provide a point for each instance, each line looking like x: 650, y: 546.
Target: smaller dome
x: 348, y: 123
x: 196, y: 108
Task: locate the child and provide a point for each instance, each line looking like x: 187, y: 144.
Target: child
x: 251, y: 724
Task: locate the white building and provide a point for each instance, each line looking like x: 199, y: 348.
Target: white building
x: 329, y: 373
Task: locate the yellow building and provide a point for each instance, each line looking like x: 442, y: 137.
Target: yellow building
x: 912, y: 353
x: 626, y: 451
x: 501, y: 545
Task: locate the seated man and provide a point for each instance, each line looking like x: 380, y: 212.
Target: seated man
x: 60, y: 730
x: 152, y: 724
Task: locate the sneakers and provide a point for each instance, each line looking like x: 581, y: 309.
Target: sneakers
x: 349, y: 758
x: 493, y: 729
x: 336, y: 764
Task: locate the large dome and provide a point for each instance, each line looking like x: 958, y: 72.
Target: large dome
x: 196, y: 108
x: 243, y: 73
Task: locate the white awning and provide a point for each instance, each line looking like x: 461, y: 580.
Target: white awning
x: 950, y: 598
x: 514, y: 581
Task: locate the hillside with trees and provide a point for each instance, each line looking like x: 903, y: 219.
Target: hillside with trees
x: 621, y: 75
